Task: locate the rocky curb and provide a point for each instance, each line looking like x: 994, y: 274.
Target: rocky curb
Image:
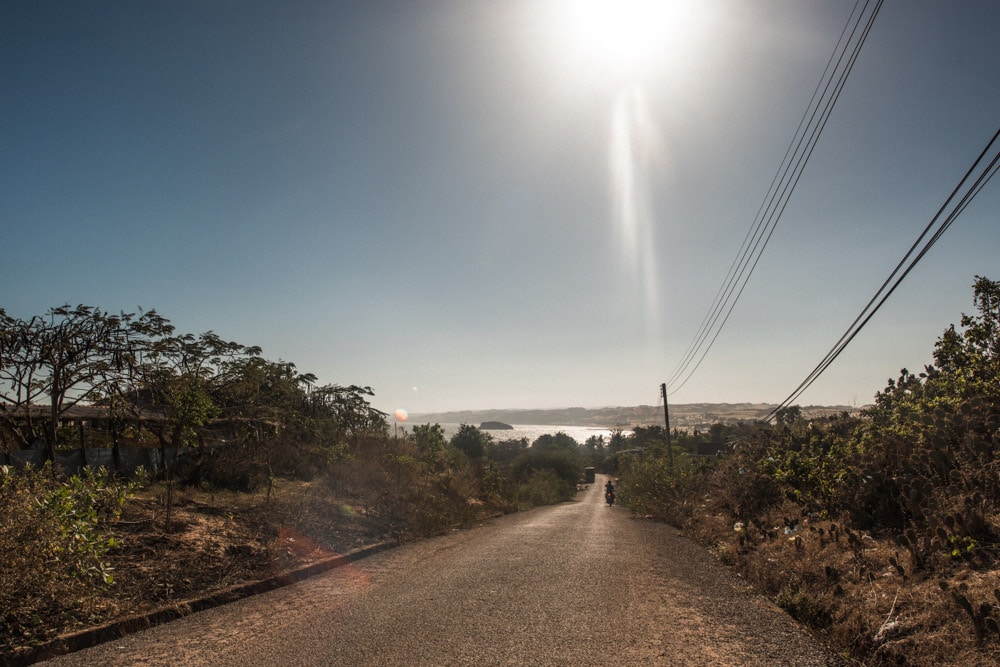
x: 115, y: 629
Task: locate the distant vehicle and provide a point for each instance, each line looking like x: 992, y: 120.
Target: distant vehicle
x: 589, y: 475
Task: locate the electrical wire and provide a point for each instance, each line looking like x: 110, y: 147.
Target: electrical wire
x: 752, y: 240
x: 824, y: 97
x: 899, y: 272
x: 777, y: 198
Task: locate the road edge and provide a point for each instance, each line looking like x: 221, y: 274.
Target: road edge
x: 75, y: 641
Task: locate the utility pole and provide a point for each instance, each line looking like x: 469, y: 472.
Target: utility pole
x: 666, y: 419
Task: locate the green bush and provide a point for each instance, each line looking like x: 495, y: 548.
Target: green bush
x: 819, y: 512
x: 563, y: 463
x: 653, y: 485
x: 52, y: 541
x: 802, y: 606
x: 544, y: 487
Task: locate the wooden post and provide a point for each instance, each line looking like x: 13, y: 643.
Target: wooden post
x: 83, y: 445
x: 666, y: 419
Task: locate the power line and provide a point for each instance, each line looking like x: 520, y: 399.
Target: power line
x: 985, y: 173
x: 803, y: 142
x: 781, y: 188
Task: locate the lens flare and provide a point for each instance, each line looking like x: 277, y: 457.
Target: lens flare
x: 401, y: 415
x: 634, y: 145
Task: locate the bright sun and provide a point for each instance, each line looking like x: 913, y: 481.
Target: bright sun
x: 625, y: 36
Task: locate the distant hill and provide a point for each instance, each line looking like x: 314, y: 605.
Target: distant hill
x: 684, y: 416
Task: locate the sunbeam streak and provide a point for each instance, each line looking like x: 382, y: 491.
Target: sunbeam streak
x: 634, y: 147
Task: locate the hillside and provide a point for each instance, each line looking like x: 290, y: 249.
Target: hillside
x: 683, y: 416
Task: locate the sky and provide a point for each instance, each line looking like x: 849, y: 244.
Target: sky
x: 474, y: 204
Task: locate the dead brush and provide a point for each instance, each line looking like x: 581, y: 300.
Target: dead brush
x: 982, y: 615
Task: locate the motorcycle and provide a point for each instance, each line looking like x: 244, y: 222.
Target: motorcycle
x: 609, y: 498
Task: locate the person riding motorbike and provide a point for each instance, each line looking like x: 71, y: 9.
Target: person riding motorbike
x: 609, y: 493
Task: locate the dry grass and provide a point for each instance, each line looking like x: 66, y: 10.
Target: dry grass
x: 215, y: 540
x: 864, y: 598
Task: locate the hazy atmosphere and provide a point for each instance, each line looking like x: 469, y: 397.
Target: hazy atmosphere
x: 482, y: 204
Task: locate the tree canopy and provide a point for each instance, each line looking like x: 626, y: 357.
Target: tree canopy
x: 179, y: 388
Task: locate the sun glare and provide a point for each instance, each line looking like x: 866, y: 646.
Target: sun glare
x: 625, y: 36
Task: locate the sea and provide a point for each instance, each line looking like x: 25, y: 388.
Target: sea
x: 533, y: 431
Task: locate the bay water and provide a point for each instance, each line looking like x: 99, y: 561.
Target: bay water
x: 532, y: 432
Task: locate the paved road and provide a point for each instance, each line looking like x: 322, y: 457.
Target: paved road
x: 575, y: 584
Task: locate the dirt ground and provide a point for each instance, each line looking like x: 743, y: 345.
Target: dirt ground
x: 218, y: 540
x: 214, y: 541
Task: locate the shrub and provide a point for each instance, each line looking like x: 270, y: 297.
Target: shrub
x: 830, y: 515
x: 544, y: 487
x: 563, y: 463
x: 652, y: 485
x: 52, y: 541
x: 802, y: 606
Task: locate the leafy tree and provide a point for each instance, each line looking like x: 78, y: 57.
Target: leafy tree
x: 262, y: 404
x: 117, y: 379
x: 556, y: 441
x: 970, y: 361
x: 506, y: 451
x: 595, y: 445
x: 789, y: 415
x: 431, y: 443
x: 564, y: 463
x: 471, y: 441
x: 19, y: 389
x: 648, y: 437
x: 71, y: 355
x: 177, y: 381
x: 71, y: 346
x: 559, y: 453
x: 618, y: 441
x: 176, y: 378
x: 717, y: 433
x: 347, y: 410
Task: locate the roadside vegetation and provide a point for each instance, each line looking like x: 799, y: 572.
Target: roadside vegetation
x: 271, y: 471
x: 879, y: 531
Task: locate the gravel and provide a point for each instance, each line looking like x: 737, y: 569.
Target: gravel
x: 574, y: 584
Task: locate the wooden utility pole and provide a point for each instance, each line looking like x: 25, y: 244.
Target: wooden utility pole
x: 666, y: 419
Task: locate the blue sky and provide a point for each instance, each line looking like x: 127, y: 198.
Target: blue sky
x: 421, y: 196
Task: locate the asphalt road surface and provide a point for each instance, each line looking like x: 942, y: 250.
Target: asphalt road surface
x: 575, y: 584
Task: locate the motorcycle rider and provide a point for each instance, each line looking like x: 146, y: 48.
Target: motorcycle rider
x: 609, y: 492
